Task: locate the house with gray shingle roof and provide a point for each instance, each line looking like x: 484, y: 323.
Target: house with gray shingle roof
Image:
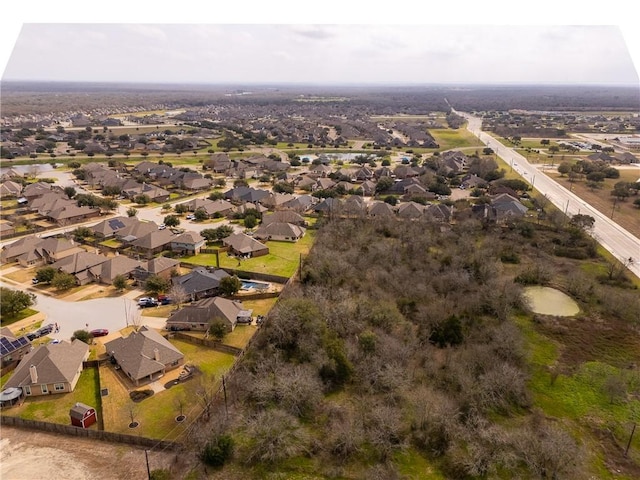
x: 145, y: 355
x: 79, y: 265
x: 199, y: 315
x: 188, y: 243
x: 153, y: 242
x: 107, y: 271
x: 50, y: 368
x: 287, y: 232
x: 200, y: 282
x: 244, y: 245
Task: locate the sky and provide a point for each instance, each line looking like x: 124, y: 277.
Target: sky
x: 256, y: 43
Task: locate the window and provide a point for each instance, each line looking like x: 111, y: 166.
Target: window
x: 27, y: 390
x: 59, y: 387
x: 44, y: 388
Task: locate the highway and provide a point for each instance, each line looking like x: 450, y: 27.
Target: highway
x: 615, y: 239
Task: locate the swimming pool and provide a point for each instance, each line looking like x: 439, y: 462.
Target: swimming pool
x: 248, y: 285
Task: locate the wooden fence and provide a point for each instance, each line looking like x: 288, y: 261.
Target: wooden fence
x: 213, y: 344
x: 89, y: 433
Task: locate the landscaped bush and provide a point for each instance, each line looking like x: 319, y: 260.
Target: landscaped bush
x: 139, y: 395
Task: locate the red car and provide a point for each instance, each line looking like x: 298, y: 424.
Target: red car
x: 100, y: 332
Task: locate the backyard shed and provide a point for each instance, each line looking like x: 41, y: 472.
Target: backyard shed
x: 82, y: 415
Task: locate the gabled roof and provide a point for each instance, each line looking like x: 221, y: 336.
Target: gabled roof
x: 160, y: 264
x: 287, y: 216
x: 200, y: 280
x: 378, y: 209
x: 79, y: 262
x: 279, y: 229
x: 410, y: 210
x: 243, y: 243
x: 55, y: 363
x: 155, y: 239
x: 136, y: 353
x: 192, y: 238
x: 120, y: 265
x: 207, y: 309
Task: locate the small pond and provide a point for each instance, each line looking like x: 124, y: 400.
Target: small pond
x: 549, y: 301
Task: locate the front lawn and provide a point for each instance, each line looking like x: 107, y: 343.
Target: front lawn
x: 7, y: 320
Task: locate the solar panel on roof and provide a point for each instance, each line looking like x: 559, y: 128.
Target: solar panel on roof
x: 116, y: 223
x: 7, y: 346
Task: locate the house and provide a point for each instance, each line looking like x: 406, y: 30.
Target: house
x: 328, y: 205
x: 50, y: 368
x: 7, y: 229
x: 144, y: 355
x: 153, y: 243
x: 507, y: 206
x: 79, y: 265
x: 380, y: 209
x: 439, y: 212
x: 282, y: 231
x: 410, y: 210
x: 199, y: 315
x: 213, y: 208
x: 245, y: 246
x: 72, y: 213
x: 160, y: 266
x: 200, y: 282
x: 108, y: 228
x: 10, y: 189
x: 36, y: 190
x: 354, y: 205
x: 33, y: 251
x: 286, y: 216
x: 107, y: 271
x: 12, y: 349
x: 300, y: 204
x: 245, y: 195
x: 82, y: 415
x: 188, y: 243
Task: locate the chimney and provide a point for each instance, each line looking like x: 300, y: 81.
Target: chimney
x: 156, y: 354
x: 34, y: 374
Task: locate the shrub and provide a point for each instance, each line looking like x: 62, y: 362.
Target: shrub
x: 217, y: 451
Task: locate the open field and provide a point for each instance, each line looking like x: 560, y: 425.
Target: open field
x: 449, y: 139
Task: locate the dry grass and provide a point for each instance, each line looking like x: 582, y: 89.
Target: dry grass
x: 625, y: 214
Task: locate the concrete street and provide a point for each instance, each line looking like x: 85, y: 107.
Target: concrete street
x: 618, y: 241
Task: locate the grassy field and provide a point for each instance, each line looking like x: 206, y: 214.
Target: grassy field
x: 283, y: 258
x: 55, y: 408
x: 460, y: 138
x: 625, y: 213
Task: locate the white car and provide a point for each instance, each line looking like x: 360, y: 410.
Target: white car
x: 191, y: 217
x: 162, y: 226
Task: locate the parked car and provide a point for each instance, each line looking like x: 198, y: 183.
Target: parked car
x: 33, y: 335
x: 99, y: 332
x: 179, y: 328
x: 56, y: 341
x: 46, y: 330
x: 149, y: 302
x: 246, y: 320
x: 35, y: 281
x: 164, y: 300
x: 162, y: 226
x: 191, y: 216
x: 143, y: 300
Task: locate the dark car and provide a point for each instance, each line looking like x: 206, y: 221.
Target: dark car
x: 46, y: 330
x: 33, y: 335
x: 179, y: 328
x: 149, y: 302
x: 99, y: 332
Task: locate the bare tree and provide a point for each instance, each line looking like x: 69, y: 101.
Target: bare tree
x: 178, y: 294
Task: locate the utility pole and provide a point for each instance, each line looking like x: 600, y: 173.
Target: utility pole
x: 146, y: 456
x: 626, y: 451
x: 224, y: 389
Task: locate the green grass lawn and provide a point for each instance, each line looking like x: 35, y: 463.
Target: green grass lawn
x: 55, y: 408
x: 7, y: 320
x: 283, y: 258
x: 459, y: 138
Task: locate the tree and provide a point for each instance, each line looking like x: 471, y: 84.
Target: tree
x: 171, y: 221
x: 13, y: 302
x: 46, y: 274
x: 132, y: 212
x: 155, y: 285
x: 70, y: 192
x: 142, y: 199
x: 177, y: 294
x: 230, y: 285
x: 584, y: 222
x: 217, y: 329
x: 201, y: 214
x: 83, y: 336
x: 181, y: 208
x: 217, y: 450
x: 120, y: 282
x: 564, y: 168
x: 384, y: 184
x: 63, y: 281
x: 250, y: 221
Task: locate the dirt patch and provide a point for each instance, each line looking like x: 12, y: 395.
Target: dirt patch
x: 585, y: 339
x: 29, y: 454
